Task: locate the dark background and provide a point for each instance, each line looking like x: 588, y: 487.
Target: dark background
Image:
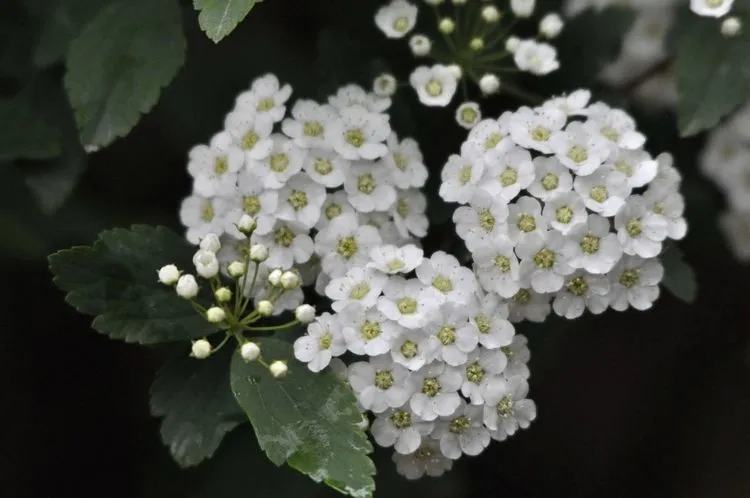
x: 630, y: 404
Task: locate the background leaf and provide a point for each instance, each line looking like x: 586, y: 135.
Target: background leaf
x: 27, y: 132
x: 61, y: 26
x: 679, y: 277
x: 115, y: 280
x: 218, y: 18
x: 308, y: 420
x: 119, y: 64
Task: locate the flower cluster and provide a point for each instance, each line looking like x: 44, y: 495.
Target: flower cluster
x: 324, y: 185
x: 477, y: 40
x: 726, y: 160
x: 443, y: 373
x: 561, y: 203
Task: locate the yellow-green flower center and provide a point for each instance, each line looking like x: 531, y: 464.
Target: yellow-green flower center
x: 459, y: 425
x: 401, y: 419
x: 540, y: 134
x: 486, y: 220
x: 400, y: 161
x: 483, y: 324
x: 370, y: 330
x: 523, y: 296
x: 283, y: 236
x: 629, y: 278
x: 508, y: 352
x: 590, y: 243
x: 333, y: 210
x: 207, y: 211
x: 322, y: 166
x: 409, y: 349
x: 359, y: 290
x: 544, y: 259
x: 251, y: 204
x: 402, y: 208
x: 550, y: 181
x: 442, y: 283
x: 526, y: 223
x: 610, y: 133
x: 564, y: 214
x: 633, y: 227
x: 578, y: 154
x: 265, y: 104
x: 431, y: 386
x: 347, y: 247
x: 624, y: 167
x: 401, y: 24
x: 366, y: 184
x: 407, y: 305
x: 434, y: 88
x: 505, y: 406
x: 492, y: 140
x: 395, y: 264
x: 599, y: 193
x: 249, y: 140
x: 325, y: 340
x: 474, y: 373
x: 468, y: 115
x: 508, y: 177
x: 447, y: 335
x: 577, y: 286
x: 502, y: 263
x: 279, y: 162
x: 464, y: 175
x: 221, y: 165
x: 354, y: 137
x: 384, y: 379
x: 313, y: 129
x: 297, y: 199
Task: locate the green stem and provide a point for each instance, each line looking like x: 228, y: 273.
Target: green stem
x: 274, y: 327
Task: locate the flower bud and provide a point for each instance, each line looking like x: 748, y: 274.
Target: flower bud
x: 731, y: 26
x: 446, y: 25
x: 206, y: 264
x: 522, y: 8
x: 223, y: 295
x: 512, y: 43
x: 264, y: 308
x: 201, y: 349
x: 274, y: 278
x: 420, y: 45
x: 490, y: 14
x: 550, y: 25
x: 258, y: 253
x: 246, y: 224
x: 169, y: 274
x: 211, y: 243
x: 289, y: 280
x: 476, y: 44
x: 384, y: 85
x: 455, y: 71
x: 278, y: 369
x: 215, y: 314
x: 250, y: 351
x: 489, y: 84
x: 187, y: 287
x: 236, y: 269
x: 305, y: 313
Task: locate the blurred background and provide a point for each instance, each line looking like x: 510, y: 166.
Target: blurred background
x: 634, y: 404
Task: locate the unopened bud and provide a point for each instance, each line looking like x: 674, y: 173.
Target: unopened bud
x: 278, y: 369
x: 420, y: 45
x: 264, y: 308
x: 489, y: 84
x: 512, y: 43
x: 274, y: 278
x: 246, y: 224
x: 215, y: 315
x: 455, y: 71
x: 258, y: 253
x: 305, y: 313
x: 551, y: 25
x: 731, y: 26
x: 250, y: 351
x: 169, y: 274
x: 522, y: 8
x: 201, y: 349
x: 490, y: 14
x: 236, y: 269
x: 187, y: 287
x: 206, y: 264
x: 289, y: 280
x: 476, y: 44
x: 223, y: 295
x: 211, y: 243
x: 446, y: 25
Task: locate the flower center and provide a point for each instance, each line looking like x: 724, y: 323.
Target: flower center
x: 355, y: 137
x: 325, y: 340
x: 523, y: 296
x: 447, y: 335
x: 633, y: 227
x: 599, y: 193
x: 401, y: 24
x: 442, y: 283
x: 564, y: 214
x: 402, y: 208
x: 347, y: 247
x: 400, y: 161
x: 251, y: 204
x: 384, y: 379
x: 366, y: 184
x: 658, y: 208
x: 624, y: 167
x: 431, y: 386
x: 333, y: 210
x: 468, y: 115
x: 370, y: 330
x: 434, y: 88
x: 483, y: 324
x: 544, y: 259
x: 474, y: 373
x: 492, y: 140
x: 265, y: 105
x: 505, y: 406
x: 249, y: 140
x: 540, y: 134
x: 322, y: 166
x: 283, y: 236
x: 590, y: 243
x: 313, y: 129
x: 459, y: 425
x: 578, y: 154
x: 279, y: 162
x: 407, y: 305
x: 395, y: 264
x: 207, y: 211
x: 508, y: 352
x: 508, y: 177
x: 610, y: 133
x: 221, y: 165
x: 526, y: 223
x: 464, y: 175
x: 577, y: 286
x: 486, y: 220
x: 409, y: 349
x: 424, y: 453
x: 359, y: 291
x: 401, y: 419
x: 502, y: 263
x: 298, y: 199
x: 550, y: 181
x: 629, y: 278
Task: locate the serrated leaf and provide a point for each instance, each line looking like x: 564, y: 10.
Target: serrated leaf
x: 63, y: 23
x: 115, y: 281
x: 305, y: 419
x: 119, y: 63
x: 218, y: 18
x: 197, y: 405
x: 713, y: 72
x: 679, y: 277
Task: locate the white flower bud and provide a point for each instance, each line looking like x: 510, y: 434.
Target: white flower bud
x: 278, y: 369
x: 169, y: 274
x: 211, y: 243
x: 274, y: 278
x: 187, y: 287
x: 250, y: 351
x: 289, y: 280
x: 223, y: 295
x: 476, y: 44
x: 489, y: 84
x: 264, y: 308
x: 305, y: 313
x: 258, y: 253
x: 215, y: 314
x: 512, y: 43
x: 446, y: 25
x: 551, y: 25
x: 384, y: 85
x: 236, y: 269
x: 201, y: 349
x: 490, y: 14
x: 456, y: 71
x: 731, y: 26
x: 246, y: 224
x: 420, y: 45
x: 468, y: 114
x: 206, y: 264
x: 522, y: 8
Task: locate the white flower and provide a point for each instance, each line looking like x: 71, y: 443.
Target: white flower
x: 522, y: 8
x: 370, y: 187
x: 532, y: 129
x: 405, y: 163
x: 284, y: 161
x: 578, y: 149
x: 507, y: 172
x: 309, y: 125
x: 345, y: 244
x: 489, y: 83
x: 573, y: 104
x: 435, y: 86
x: 670, y: 206
x: 442, y: 271
x: 481, y: 365
x: 409, y: 213
x: 246, y: 224
x: 214, y: 168
x: 326, y: 167
x: 401, y: 429
x: 452, y: 336
x: 551, y: 178
x: 711, y: 8
x: 351, y: 95
x: 635, y: 282
x: 497, y: 268
x: 360, y: 133
x: 408, y: 302
x: 412, y: 349
x: 434, y: 390
x: 266, y: 98
x: 210, y: 243
x: 507, y: 408
x: 518, y: 355
x: 187, y: 287
x: 288, y: 243
x: 427, y: 460
x: 201, y: 216
x: 636, y: 165
x: 543, y: 262
x: 322, y: 342
x: 251, y: 135
x: 397, y: 18
x: 488, y: 135
x: 564, y: 212
x: 420, y: 45
x: 360, y: 286
x: 384, y: 85
x: 667, y: 179
x: 252, y: 199
x: 463, y: 432
x: 379, y: 384
x: 582, y: 290
x: 551, y: 25
x: 535, y: 57
x: 335, y: 205
x: 603, y: 192
x: 529, y: 305
x: 468, y: 115
x: 592, y: 247
x: 482, y: 221
x: 300, y: 200
x: 391, y: 259
x: 367, y: 331
x: 495, y: 331
x: 640, y: 231
x: 169, y: 274
x: 386, y: 227
x: 525, y: 219
x: 459, y: 177
x: 206, y: 264
x: 614, y: 125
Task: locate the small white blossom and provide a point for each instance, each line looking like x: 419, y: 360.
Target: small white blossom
x: 206, y: 264
x: 201, y: 349
x: 711, y: 8
x: 635, y: 282
x: 543, y: 261
x: 300, y: 200
x: 326, y: 167
x: 427, y: 460
x: 345, y: 244
x: 506, y: 173
x: 202, y: 215
x: 459, y: 178
x: 379, y: 384
x: 564, y: 212
x: 578, y: 149
x: 251, y: 135
x: 551, y: 25
x: 187, y: 287
x: 250, y: 351
x: 582, y: 290
x: 310, y: 124
x: 435, y: 86
x: 412, y: 348
x: 355, y: 95
x: 468, y: 115
x: 397, y: 18
x: 323, y: 341
x: 305, y: 313
x: 592, y: 247
x: 551, y: 178
x: 266, y: 98
x: 522, y: 8
x: 284, y: 161
x: 603, y: 192
x: 442, y: 271
x: 533, y: 129
x: 420, y: 45
x: 169, y: 274
x: 489, y: 84
x: 367, y: 331
x: 536, y: 57
x: 490, y: 318
x: 360, y: 286
x: 482, y: 221
x: 360, y: 133
x: 214, y: 168
x: 288, y: 243
x: 370, y: 187
x: 401, y: 429
x: 507, y: 407
x: 525, y: 219
x: 408, y: 302
x: 463, y: 432
x: 384, y: 85
x: 529, y: 304
x: 640, y: 231
x: 434, y: 390
x: 497, y: 267
x: 278, y: 369
x: 391, y: 259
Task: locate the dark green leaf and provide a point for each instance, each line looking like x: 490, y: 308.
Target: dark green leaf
x: 679, y: 277
x: 115, y: 281
x: 218, y: 18
x: 713, y: 72
x: 27, y: 132
x: 63, y: 23
x: 197, y: 405
x: 119, y: 63
x: 307, y: 420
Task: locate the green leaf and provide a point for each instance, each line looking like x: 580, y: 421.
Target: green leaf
x: 115, y: 281
x: 308, y: 420
x: 197, y: 405
x: 218, y: 18
x: 713, y: 72
x: 119, y: 63
x: 63, y: 23
x: 27, y: 132
x: 679, y: 277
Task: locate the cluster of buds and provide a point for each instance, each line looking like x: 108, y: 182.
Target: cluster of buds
x: 237, y: 307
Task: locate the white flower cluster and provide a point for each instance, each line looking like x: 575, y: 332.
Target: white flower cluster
x: 563, y: 204
x: 444, y: 372
x: 726, y: 160
x: 705, y: 8
x: 324, y: 185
